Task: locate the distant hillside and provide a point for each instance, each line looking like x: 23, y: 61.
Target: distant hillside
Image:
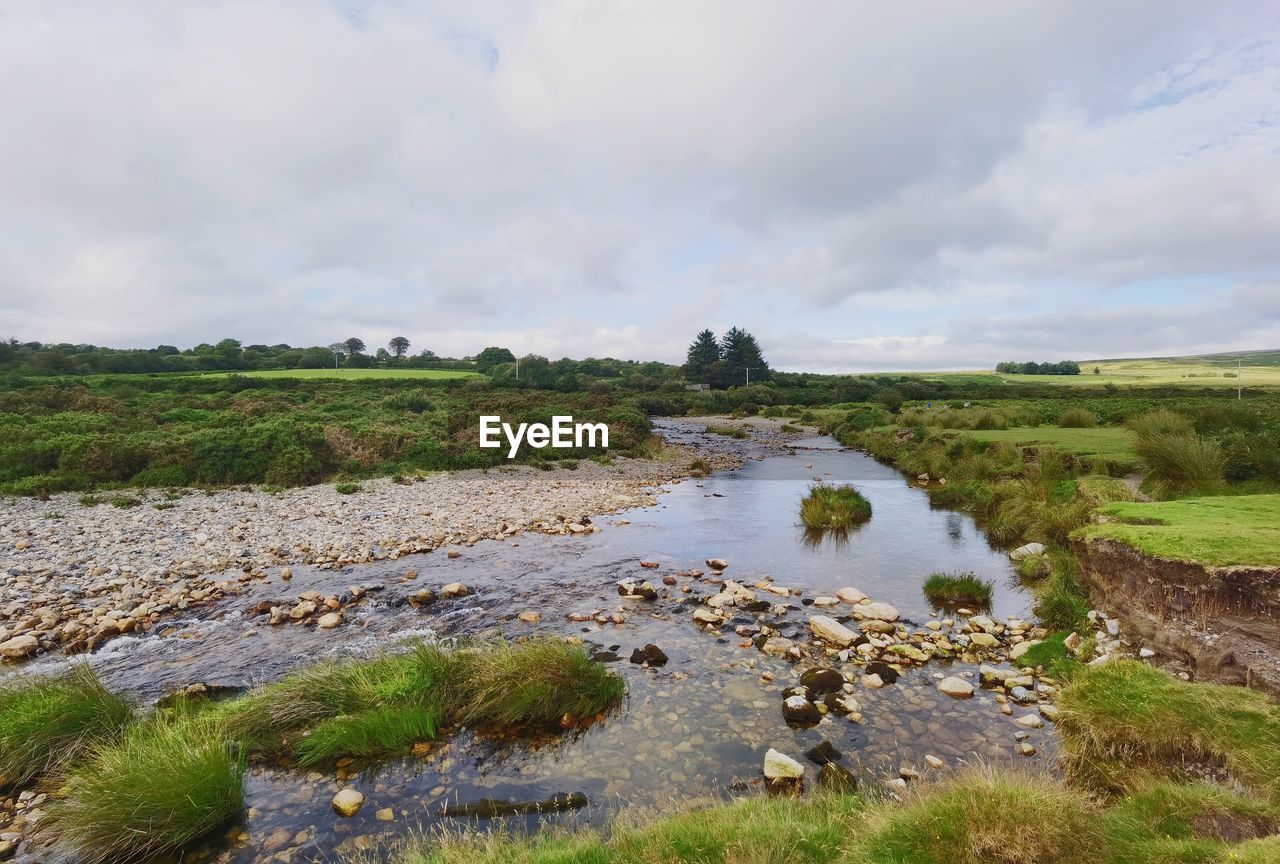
x: 1262, y: 357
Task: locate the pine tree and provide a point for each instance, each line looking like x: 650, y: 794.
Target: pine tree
x: 741, y: 355
x: 703, y: 358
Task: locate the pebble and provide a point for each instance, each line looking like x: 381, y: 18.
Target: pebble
x: 348, y: 802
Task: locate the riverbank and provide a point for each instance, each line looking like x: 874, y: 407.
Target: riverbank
x: 78, y: 571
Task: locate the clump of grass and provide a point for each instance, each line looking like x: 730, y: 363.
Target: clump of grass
x: 1052, y: 655
x: 980, y: 816
x: 699, y: 468
x: 1159, y: 422
x: 1181, y: 463
x: 958, y: 589
x: 834, y: 508
x: 1099, y: 489
x: 1035, y: 567
x: 729, y: 431
x: 535, y: 682
x: 166, y: 783
x: 89, y: 500
x: 1063, y: 605
x: 347, y: 488
x: 47, y: 722
x: 388, y: 729
x: 124, y: 502
x: 1077, y: 418
x: 1174, y: 822
x: 1125, y: 715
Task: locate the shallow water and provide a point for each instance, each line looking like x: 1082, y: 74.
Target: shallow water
x: 697, y: 727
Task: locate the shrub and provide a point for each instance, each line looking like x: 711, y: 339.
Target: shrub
x: 347, y: 488
x: 699, y: 468
x: 958, y: 589
x: 834, y: 508
x: 49, y: 721
x: 166, y: 783
x: 1077, y: 418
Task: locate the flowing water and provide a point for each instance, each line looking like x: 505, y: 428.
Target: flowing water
x: 697, y: 727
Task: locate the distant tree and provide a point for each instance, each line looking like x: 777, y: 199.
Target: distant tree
x: 890, y: 398
x: 1097, y: 370
x: 703, y: 358
x: 382, y: 356
x: 741, y: 356
x: 166, y: 350
x: 493, y: 356
x: 398, y: 345
x: 354, y: 346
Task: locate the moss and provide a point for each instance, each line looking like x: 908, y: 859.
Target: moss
x: 1125, y: 714
x: 834, y: 508
x: 49, y: 721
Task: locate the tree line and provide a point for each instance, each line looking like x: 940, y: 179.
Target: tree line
x: 1062, y: 367
x: 730, y: 361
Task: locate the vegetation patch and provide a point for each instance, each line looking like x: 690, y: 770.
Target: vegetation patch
x: 1125, y: 715
x: 166, y: 783
x: 1077, y: 418
x: 1099, y: 489
x: 834, y: 508
x: 729, y: 431
x: 958, y: 589
x: 1111, y: 442
x: 1221, y: 530
x: 50, y: 721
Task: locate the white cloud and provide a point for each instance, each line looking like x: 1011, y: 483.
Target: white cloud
x: 606, y: 178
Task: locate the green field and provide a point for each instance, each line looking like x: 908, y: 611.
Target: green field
x: 353, y: 374
x: 1220, y: 531
x: 1111, y: 442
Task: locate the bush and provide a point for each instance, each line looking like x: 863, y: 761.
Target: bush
x: 834, y: 508
x: 347, y: 488
x: 1077, y: 418
x: 49, y: 721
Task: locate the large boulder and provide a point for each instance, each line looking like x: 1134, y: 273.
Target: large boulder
x: 822, y: 679
x: 800, y: 711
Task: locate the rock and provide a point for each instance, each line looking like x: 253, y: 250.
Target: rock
x: 799, y: 710
x: 825, y: 601
x: 887, y: 673
x: 386, y: 814
x: 348, y: 802
x: 873, y: 681
x: 823, y: 753
x: 634, y: 588
x: 1023, y: 696
x: 1026, y: 748
x: 1027, y: 551
x: 776, y: 646
x: 1073, y: 643
x: 706, y: 616
x: 1030, y: 721
x: 1022, y: 648
x: 277, y: 840
x: 877, y: 611
x: 19, y: 646
x: 933, y: 761
x: 992, y: 675
x: 717, y: 563
x: 530, y: 617
x: 650, y: 654
x: 329, y: 620
x: 302, y: 610
x: 821, y: 679
x: 957, y: 688
x: 983, y: 623
x: 837, y: 778
x: 780, y: 766
x: 850, y: 595
x: 1049, y: 712
x: 830, y: 630
x: 455, y: 589
x: 983, y: 640
x: 1146, y: 653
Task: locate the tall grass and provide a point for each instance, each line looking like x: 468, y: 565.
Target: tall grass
x: 535, y: 682
x: 1077, y: 418
x: 1181, y: 464
x: 834, y: 508
x: 958, y: 589
x: 49, y: 721
x: 1162, y: 421
x: 166, y: 783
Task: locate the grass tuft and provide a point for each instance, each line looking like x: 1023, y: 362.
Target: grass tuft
x: 1125, y: 714
x: 166, y: 783
x: 834, y: 508
x: 958, y: 589
x: 1181, y: 464
x: 48, y: 721
x: 535, y: 682
x: 1077, y: 418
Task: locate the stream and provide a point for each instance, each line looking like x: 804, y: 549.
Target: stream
x: 693, y: 729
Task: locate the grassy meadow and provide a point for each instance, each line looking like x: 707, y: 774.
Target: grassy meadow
x: 1220, y: 530
x: 1113, y: 443
x: 357, y: 374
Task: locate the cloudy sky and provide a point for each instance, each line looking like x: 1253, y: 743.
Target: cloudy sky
x: 863, y: 185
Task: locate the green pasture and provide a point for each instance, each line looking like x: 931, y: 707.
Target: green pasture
x: 1220, y: 530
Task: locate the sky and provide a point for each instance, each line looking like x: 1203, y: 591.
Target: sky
x: 863, y: 185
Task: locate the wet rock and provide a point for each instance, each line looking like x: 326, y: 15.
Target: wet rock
x: 19, y: 646
x: 635, y: 589
x: 957, y: 688
x: 933, y: 761
x: 329, y: 620
x: 800, y: 711
x: 650, y: 654
x: 302, y: 610
x: 830, y: 630
x: 821, y: 679
x: 277, y: 840
x: 850, y: 595
x: 348, y: 802
x: 707, y: 617
x: 836, y: 778
x: 780, y: 766
x: 530, y: 617
x: 455, y: 589
x: 992, y: 675
x: 386, y: 814
x: 983, y: 640
x: 421, y: 597
x: 1030, y: 721
x: 887, y: 673
x: 873, y: 681
x: 1026, y: 748
x: 823, y: 753
x: 1023, y: 696
x: 717, y: 563
x: 877, y: 611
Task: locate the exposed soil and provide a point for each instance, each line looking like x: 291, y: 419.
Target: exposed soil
x: 1223, y: 623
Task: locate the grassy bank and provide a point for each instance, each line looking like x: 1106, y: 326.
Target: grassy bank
x: 129, y: 787
x: 1221, y: 530
x: 1114, y: 444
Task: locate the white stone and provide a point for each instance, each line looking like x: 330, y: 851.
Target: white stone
x: 1031, y: 721
x: 1027, y: 551
x: 329, y: 620
x: 877, y: 611
x: 348, y: 802
x: 780, y: 766
x: 850, y: 595
x: 957, y: 688
x: 830, y: 630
